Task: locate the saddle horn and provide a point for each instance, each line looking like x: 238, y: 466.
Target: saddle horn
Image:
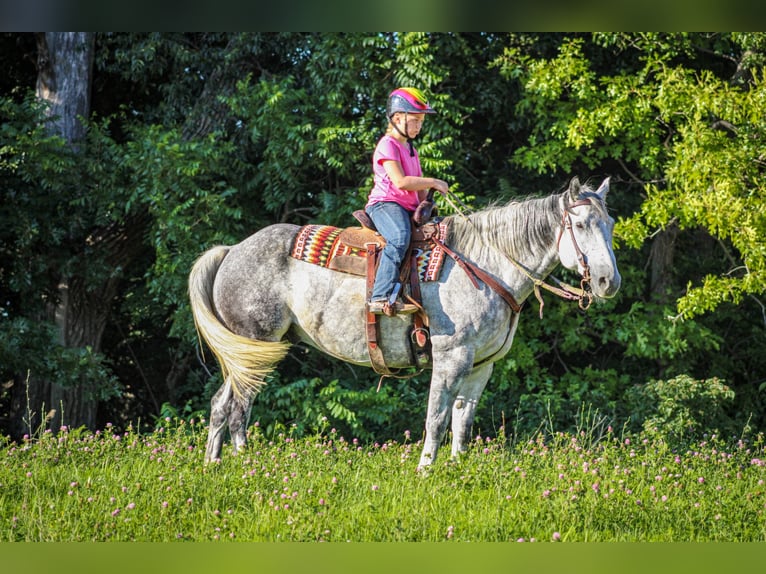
x: 423, y: 212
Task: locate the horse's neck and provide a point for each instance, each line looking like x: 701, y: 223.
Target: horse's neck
x: 524, y: 232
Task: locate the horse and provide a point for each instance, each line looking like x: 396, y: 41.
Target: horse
x: 252, y: 301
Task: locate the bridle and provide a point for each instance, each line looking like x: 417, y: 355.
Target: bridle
x: 566, y: 225
x: 582, y: 294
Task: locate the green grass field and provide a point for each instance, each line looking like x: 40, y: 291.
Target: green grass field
x: 106, y: 486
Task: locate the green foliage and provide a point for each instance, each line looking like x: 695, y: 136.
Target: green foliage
x: 312, y: 128
x: 668, y: 341
x: 177, y: 417
x: 41, y: 211
x: 289, y: 121
x: 696, y: 139
x: 682, y: 408
x: 183, y: 187
x: 352, y: 400
x: 61, y: 205
x: 307, y: 406
x: 28, y: 347
x: 39, y: 176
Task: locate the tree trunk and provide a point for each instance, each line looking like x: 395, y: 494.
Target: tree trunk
x: 209, y: 114
x: 662, y: 259
x: 661, y: 288
x: 63, y: 83
x: 82, y: 311
x: 64, y: 63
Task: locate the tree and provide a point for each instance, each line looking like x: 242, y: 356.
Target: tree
x: 63, y: 84
x: 692, y: 139
x: 99, y: 201
x: 194, y: 139
x: 678, y: 116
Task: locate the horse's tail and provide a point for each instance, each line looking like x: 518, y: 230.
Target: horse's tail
x: 245, y: 362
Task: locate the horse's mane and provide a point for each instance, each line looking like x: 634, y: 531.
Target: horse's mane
x: 516, y: 227
x: 520, y: 227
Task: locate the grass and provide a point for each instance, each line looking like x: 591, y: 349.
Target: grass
x: 108, y: 486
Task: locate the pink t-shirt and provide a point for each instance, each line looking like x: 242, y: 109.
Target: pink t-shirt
x: 389, y: 148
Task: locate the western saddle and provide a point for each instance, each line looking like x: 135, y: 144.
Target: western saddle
x: 368, y: 238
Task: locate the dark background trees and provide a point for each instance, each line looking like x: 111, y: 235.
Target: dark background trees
x: 194, y: 139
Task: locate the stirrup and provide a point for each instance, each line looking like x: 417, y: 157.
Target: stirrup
x: 385, y: 308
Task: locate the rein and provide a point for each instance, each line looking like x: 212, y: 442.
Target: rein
x: 582, y: 295
x: 474, y: 273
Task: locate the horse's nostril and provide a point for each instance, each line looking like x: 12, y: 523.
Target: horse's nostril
x: 609, y: 286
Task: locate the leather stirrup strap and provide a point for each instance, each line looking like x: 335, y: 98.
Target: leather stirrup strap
x: 374, y: 350
x: 419, y: 333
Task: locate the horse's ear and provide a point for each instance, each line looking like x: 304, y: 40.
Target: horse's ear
x: 574, y: 189
x: 603, y: 189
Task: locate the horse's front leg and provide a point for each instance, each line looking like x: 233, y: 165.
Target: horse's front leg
x: 464, y: 407
x: 450, y: 370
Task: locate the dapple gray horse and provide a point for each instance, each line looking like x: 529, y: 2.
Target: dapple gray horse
x: 252, y: 300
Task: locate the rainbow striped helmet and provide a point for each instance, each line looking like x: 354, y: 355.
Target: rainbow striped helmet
x: 409, y: 100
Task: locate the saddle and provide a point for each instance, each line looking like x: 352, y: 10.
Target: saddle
x: 355, y: 239
x: 356, y: 250
x: 422, y: 238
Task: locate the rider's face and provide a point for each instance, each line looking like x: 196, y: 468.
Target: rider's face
x: 412, y: 122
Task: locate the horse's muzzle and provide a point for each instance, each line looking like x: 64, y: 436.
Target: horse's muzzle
x: 605, y: 286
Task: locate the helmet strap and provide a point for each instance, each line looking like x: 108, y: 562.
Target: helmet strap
x: 404, y: 133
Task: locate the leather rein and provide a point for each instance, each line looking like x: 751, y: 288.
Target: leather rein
x: 582, y: 295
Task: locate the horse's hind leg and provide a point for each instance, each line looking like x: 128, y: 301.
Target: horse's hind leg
x: 464, y: 407
x: 227, y: 407
x: 220, y: 408
x: 239, y: 417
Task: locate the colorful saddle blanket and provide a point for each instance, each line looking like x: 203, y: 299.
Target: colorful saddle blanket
x: 324, y: 245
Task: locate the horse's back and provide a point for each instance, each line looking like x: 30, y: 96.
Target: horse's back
x: 265, y: 251
x: 250, y: 281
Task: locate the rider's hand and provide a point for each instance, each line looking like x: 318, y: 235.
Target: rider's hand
x: 441, y: 186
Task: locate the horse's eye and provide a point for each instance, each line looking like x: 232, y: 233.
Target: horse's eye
x: 579, y: 225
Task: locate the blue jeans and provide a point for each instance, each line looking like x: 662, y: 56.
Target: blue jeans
x: 393, y: 223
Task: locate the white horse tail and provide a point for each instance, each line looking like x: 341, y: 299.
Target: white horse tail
x: 245, y: 362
